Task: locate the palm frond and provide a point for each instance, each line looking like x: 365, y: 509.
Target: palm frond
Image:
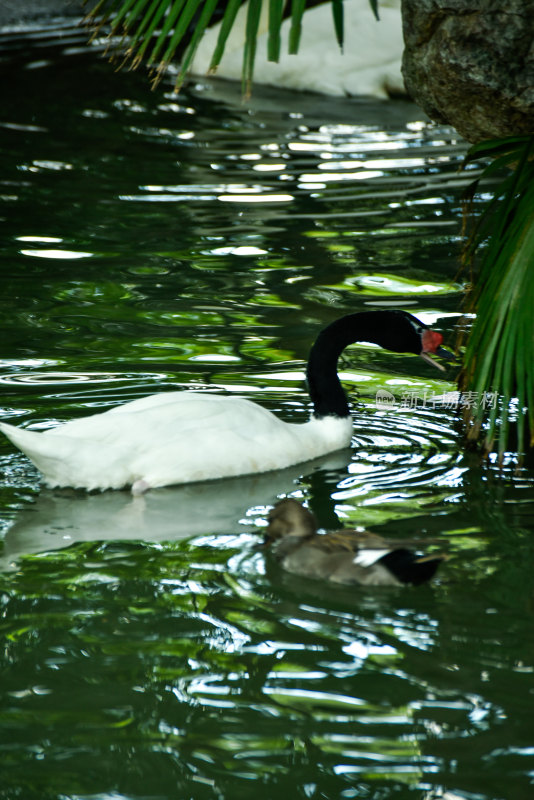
x: 499, y: 357
x: 274, y: 42
x: 297, y: 11
x: 337, y: 14
x: 251, y: 34
x: 227, y: 22
x: 153, y: 31
x: 374, y: 6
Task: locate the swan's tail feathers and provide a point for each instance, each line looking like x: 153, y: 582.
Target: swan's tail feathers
x: 20, y: 437
x: 48, y: 453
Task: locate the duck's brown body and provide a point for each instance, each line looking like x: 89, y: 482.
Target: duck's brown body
x: 348, y: 557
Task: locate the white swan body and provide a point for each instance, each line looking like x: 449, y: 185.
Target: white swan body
x: 184, y: 437
x: 370, y: 63
x: 175, y: 437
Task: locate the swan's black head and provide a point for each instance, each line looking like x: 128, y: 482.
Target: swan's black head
x: 401, y: 332
x: 393, y: 330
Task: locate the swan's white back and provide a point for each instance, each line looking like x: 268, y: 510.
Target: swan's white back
x: 175, y: 437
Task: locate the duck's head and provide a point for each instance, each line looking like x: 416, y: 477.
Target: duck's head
x: 289, y: 518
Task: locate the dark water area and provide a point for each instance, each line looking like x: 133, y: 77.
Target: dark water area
x: 152, y: 242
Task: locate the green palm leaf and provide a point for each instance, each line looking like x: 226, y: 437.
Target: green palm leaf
x: 297, y: 12
x: 155, y: 30
x: 499, y: 357
x: 276, y: 10
x: 337, y: 14
x: 226, y: 26
x: 253, y: 22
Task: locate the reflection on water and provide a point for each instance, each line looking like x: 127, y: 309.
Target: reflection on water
x: 59, y: 518
x: 155, y: 242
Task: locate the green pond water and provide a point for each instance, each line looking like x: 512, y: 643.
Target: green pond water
x: 153, y: 242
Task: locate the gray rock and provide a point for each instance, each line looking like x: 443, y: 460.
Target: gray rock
x: 470, y: 63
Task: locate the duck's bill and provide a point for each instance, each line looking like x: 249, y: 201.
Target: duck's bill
x: 442, y: 353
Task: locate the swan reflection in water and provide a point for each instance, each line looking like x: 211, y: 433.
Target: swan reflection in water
x: 62, y: 517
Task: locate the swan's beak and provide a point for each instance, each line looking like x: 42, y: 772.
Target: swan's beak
x: 442, y: 353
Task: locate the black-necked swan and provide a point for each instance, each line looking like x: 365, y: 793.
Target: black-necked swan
x: 184, y: 437
x: 353, y: 557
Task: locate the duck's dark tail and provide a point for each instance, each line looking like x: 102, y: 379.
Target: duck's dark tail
x: 408, y: 567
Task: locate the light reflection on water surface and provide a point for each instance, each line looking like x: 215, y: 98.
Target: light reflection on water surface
x: 154, y: 242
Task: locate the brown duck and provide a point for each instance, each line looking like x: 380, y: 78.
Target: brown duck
x: 343, y: 556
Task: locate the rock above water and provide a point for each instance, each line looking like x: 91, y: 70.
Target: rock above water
x: 470, y: 63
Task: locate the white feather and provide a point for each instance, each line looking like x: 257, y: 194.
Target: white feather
x: 367, y: 557
x: 175, y: 437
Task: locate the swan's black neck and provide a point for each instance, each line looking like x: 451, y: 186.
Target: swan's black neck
x: 393, y: 330
x: 324, y: 386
